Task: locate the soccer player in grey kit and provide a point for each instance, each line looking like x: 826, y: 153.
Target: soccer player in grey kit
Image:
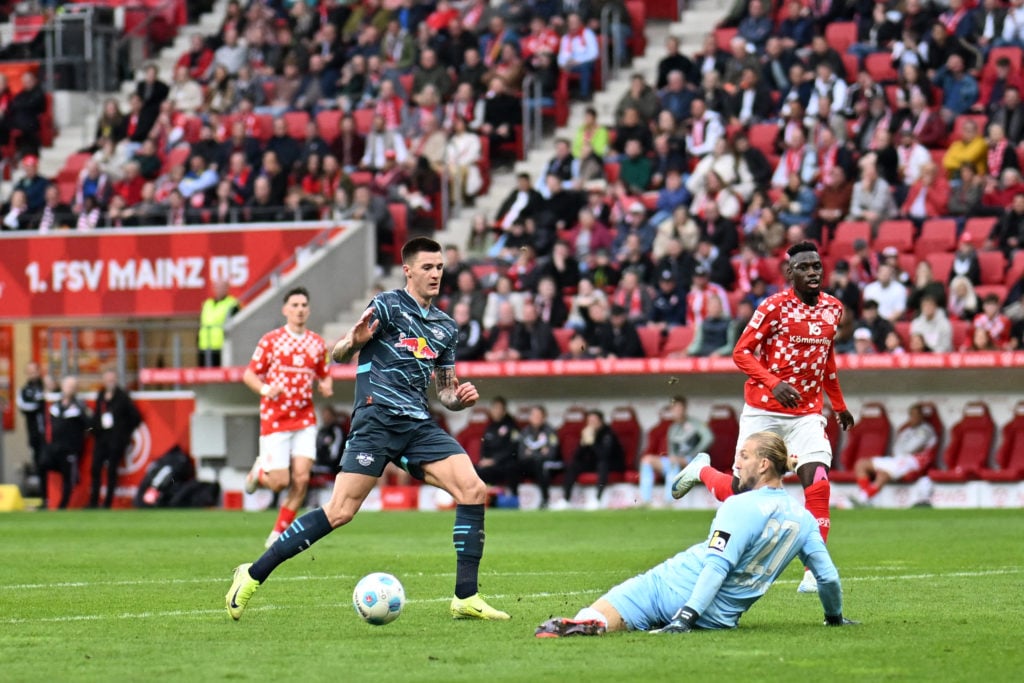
x: 402, y: 340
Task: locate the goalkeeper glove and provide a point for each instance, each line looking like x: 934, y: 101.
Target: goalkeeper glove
x: 839, y: 620
x: 683, y: 621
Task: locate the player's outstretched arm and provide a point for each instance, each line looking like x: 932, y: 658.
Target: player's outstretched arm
x: 452, y: 394
x: 356, y: 338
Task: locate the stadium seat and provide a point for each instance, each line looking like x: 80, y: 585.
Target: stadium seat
x: 400, y: 217
x: 847, y: 232
x: 328, y: 123
x: 852, y: 66
x: 562, y: 336
x: 406, y: 81
x: 569, y: 432
x: 907, y: 263
x: 1010, y: 454
x: 611, y: 172
x: 970, y: 443
x: 191, y: 127
x: 263, y: 127
x: 879, y: 65
x: 892, y: 96
x: 979, y: 228
x: 958, y: 124
x: 840, y: 35
x: 363, y: 119
x: 895, y: 233
x: 961, y: 332
x: 725, y: 426
x: 723, y: 35
x: 627, y: 428
x: 981, y: 291
x: 637, y: 21
x: 868, y: 438
x: 763, y: 136
x: 903, y: 331
x: 993, y: 267
x: 657, y: 436
x: 941, y: 263
x: 937, y: 234
x: 1011, y: 52
x: 1016, y: 269
x: 929, y: 457
x: 678, y: 340
x: 178, y: 155
x: 650, y: 337
x: 470, y: 436
x: 296, y: 122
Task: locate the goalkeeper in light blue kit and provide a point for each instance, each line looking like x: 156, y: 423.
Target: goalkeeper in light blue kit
x: 711, y: 584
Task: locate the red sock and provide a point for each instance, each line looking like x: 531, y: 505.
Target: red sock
x: 816, y: 501
x: 719, y: 483
x: 867, y: 487
x: 284, y: 519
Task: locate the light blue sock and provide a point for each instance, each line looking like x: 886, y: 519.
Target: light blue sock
x: 671, y: 470
x: 646, y: 482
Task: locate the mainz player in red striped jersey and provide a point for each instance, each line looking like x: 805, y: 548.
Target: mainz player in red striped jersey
x: 786, y: 351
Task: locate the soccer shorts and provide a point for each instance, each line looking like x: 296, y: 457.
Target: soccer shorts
x: 804, y: 434
x: 896, y: 466
x: 278, y: 449
x: 647, y: 600
x: 378, y: 437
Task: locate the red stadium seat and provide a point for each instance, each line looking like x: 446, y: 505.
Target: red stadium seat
x: 907, y: 263
x: 562, y: 336
x: 400, y: 218
x: 970, y: 443
x: 879, y: 65
x: 868, y: 438
x: 1016, y: 269
x: 903, y: 331
x: 178, y: 155
x: 1011, y: 52
x: 296, y: 121
x: 993, y: 267
x: 840, y: 35
x: 981, y: 291
x: 979, y: 228
x: 961, y: 332
x: 657, y: 436
x: 941, y: 263
x: 847, y: 232
x: 725, y: 426
x: 763, y: 137
x: 650, y: 338
x: 611, y: 172
x: 328, y: 123
x: 895, y: 233
x: 892, y: 96
x: 852, y: 66
x: 470, y: 436
x: 1010, y: 455
x: 980, y: 121
x: 637, y: 21
x: 627, y: 428
x: 569, y: 433
x: 363, y: 119
x: 678, y: 340
x: 937, y: 234
x: 723, y: 36
x: 406, y: 81
x: 263, y: 128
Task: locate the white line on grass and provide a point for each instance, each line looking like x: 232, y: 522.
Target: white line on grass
x: 562, y: 594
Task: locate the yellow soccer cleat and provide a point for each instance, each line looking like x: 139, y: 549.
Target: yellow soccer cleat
x: 474, y: 607
x: 242, y: 588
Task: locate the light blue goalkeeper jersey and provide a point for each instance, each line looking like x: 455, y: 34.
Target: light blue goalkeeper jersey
x: 753, y: 538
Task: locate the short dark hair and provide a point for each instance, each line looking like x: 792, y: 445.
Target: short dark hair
x: 598, y: 413
x: 295, y: 291
x: 680, y: 399
x: 801, y: 248
x: 500, y: 400
x: 417, y: 245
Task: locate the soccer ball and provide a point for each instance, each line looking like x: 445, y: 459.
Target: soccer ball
x: 379, y: 598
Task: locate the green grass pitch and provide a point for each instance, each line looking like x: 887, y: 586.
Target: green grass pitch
x: 138, y: 596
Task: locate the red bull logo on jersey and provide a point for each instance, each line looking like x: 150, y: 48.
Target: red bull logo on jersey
x: 418, y: 346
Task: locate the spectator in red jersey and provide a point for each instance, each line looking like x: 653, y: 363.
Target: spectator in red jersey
x: 993, y: 322
x: 129, y: 187
x: 787, y: 344
x: 928, y: 197
x: 701, y: 290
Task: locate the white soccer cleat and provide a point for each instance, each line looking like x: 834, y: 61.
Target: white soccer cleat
x: 558, y: 505
x: 271, y: 539
x: 690, y: 476
x: 252, y: 480
x: 809, y: 584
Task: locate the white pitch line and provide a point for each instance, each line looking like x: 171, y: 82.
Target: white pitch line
x: 595, y: 591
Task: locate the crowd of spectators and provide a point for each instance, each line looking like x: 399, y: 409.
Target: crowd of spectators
x: 299, y: 110
x: 658, y: 232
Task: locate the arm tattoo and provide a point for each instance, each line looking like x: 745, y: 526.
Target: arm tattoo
x: 343, y: 350
x: 446, y: 383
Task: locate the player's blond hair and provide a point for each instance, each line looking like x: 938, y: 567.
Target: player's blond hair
x: 771, y: 446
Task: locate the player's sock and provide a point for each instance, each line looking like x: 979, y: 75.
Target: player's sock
x: 284, y: 519
x: 303, y: 532
x: 468, y: 536
x: 719, y: 483
x: 867, y: 487
x: 647, y: 482
x: 591, y: 614
x: 671, y: 470
x: 816, y: 501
